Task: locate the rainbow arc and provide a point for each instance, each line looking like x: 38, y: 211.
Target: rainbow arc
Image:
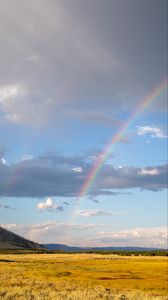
x: 156, y: 92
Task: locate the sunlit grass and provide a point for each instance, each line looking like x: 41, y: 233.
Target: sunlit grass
x: 82, y: 276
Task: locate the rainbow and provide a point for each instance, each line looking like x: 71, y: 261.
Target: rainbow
x: 156, y: 92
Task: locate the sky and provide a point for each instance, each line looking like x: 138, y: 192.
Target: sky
x: 74, y: 75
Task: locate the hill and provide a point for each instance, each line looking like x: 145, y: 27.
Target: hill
x: 10, y: 240
x: 62, y: 247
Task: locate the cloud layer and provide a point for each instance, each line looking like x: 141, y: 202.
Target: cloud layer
x: 148, y: 237
x: 60, y: 56
x: 50, y: 232
x: 56, y: 175
x: 97, y: 212
x: 70, y: 233
x: 72, y: 73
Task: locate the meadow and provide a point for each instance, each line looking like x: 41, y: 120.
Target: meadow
x: 82, y: 276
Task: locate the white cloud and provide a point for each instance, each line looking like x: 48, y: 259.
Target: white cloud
x: 148, y: 237
x: 78, y: 169
x: 48, y: 226
x: 19, y: 105
x: 97, y: 212
x: 154, y: 132
x: 27, y: 157
x: 9, y: 91
x: 118, y: 167
x: 49, y: 232
x: 49, y: 205
x: 9, y: 226
x: 70, y: 233
x: 3, y: 161
x: 148, y: 172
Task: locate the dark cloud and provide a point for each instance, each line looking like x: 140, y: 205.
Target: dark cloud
x: 145, y: 178
x: 55, y: 175
x: 79, y: 55
x: 6, y: 206
x: 94, y: 200
x: 99, y: 192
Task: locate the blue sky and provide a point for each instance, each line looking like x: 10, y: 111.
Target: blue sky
x: 72, y: 73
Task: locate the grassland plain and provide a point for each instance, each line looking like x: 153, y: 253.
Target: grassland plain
x: 82, y: 276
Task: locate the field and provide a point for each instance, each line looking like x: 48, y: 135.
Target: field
x: 82, y: 276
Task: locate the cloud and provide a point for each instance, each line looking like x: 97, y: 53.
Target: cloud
x: 3, y: 150
x: 97, y: 64
x: 49, y: 205
x: 27, y: 157
x: 97, y: 212
x: 148, y: 172
x: 20, y: 106
x: 34, y: 58
x: 107, y: 192
x: 94, y: 200
x: 9, y: 92
x: 3, y: 161
x: 96, y: 117
x: 148, y: 237
x: 7, y: 207
x: 130, y: 177
x: 52, y: 174
x: 154, y: 132
x: 49, y: 232
x: 70, y: 233
x: 77, y: 169
x: 66, y: 203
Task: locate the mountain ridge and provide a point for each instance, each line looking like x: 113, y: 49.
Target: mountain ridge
x: 63, y: 247
x: 10, y: 240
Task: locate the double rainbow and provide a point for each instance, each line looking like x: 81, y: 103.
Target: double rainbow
x: 144, y: 104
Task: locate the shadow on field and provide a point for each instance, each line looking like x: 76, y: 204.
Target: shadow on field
x: 7, y: 260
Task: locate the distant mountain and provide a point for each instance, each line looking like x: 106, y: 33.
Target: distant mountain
x: 61, y: 247
x: 124, y: 248
x: 10, y: 240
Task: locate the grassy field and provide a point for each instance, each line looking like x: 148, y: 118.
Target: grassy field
x: 82, y: 276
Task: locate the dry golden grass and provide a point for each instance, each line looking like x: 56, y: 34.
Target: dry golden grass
x: 82, y: 276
